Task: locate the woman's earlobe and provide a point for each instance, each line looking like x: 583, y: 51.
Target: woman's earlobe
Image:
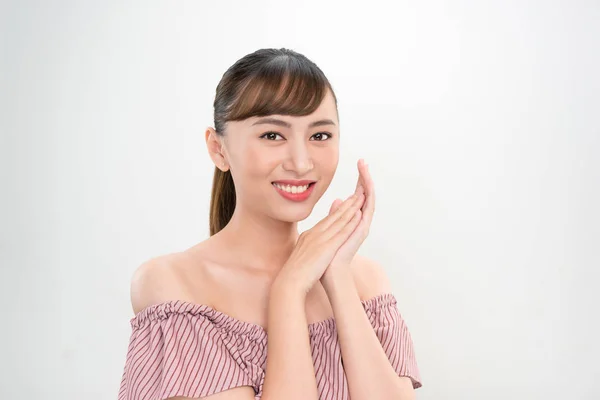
x: 224, y: 167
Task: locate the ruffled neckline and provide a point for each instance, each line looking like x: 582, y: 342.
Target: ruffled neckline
x: 161, y: 311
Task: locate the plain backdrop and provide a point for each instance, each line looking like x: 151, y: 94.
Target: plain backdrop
x: 480, y: 121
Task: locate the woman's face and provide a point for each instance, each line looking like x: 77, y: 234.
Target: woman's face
x: 272, y: 159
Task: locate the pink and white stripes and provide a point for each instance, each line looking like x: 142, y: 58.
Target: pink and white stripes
x: 179, y: 348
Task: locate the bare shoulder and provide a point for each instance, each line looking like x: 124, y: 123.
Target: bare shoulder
x: 157, y: 280
x: 370, y: 277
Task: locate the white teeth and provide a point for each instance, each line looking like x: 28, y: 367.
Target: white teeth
x: 291, y: 189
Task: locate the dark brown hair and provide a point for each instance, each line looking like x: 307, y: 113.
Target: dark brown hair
x: 268, y: 81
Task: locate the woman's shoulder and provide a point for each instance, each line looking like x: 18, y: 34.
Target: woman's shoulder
x: 169, y: 277
x: 370, y: 277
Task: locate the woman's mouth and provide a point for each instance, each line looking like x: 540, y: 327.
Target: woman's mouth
x: 296, y: 192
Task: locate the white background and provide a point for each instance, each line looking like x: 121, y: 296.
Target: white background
x: 480, y: 120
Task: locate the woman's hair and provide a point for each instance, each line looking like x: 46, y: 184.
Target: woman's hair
x: 268, y: 81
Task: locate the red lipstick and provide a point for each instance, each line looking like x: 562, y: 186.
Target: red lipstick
x: 282, y: 186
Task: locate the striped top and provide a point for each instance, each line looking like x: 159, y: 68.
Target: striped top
x: 179, y: 348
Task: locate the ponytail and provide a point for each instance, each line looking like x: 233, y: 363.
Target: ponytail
x: 222, y: 200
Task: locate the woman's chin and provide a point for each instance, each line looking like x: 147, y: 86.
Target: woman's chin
x: 292, y: 215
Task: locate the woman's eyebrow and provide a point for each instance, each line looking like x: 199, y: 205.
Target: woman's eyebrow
x: 280, y: 122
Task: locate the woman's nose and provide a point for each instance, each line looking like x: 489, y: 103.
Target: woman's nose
x: 298, y: 160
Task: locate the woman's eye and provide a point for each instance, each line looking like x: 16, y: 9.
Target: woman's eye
x: 320, y: 135
x: 270, y: 135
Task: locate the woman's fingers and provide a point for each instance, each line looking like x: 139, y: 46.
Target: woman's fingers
x: 335, y: 205
x: 340, y: 237
x: 326, y: 222
x: 341, y: 212
x: 369, y: 206
x: 345, y: 218
x: 360, y: 181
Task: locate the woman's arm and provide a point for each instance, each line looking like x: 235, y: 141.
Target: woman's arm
x: 368, y: 370
x: 290, y: 371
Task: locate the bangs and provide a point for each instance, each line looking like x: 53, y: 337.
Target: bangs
x: 284, y: 85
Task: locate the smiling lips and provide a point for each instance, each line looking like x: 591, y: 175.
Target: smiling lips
x: 294, y: 190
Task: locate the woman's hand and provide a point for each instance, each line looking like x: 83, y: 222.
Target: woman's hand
x: 342, y: 259
x: 317, y: 246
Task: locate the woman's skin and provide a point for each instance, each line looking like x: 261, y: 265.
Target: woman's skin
x: 259, y: 269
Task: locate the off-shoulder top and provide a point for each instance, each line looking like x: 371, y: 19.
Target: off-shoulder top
x: 178, y: 348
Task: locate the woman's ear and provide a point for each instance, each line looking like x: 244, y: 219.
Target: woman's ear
x: 214, y: 144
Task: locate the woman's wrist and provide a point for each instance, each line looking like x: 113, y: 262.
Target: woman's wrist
x: 336, y: 277
x: 287, y: 286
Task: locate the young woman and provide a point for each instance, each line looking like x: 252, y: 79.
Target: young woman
x: 258, y: 310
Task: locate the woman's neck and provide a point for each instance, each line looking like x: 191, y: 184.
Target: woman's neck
x: 261, y: 242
